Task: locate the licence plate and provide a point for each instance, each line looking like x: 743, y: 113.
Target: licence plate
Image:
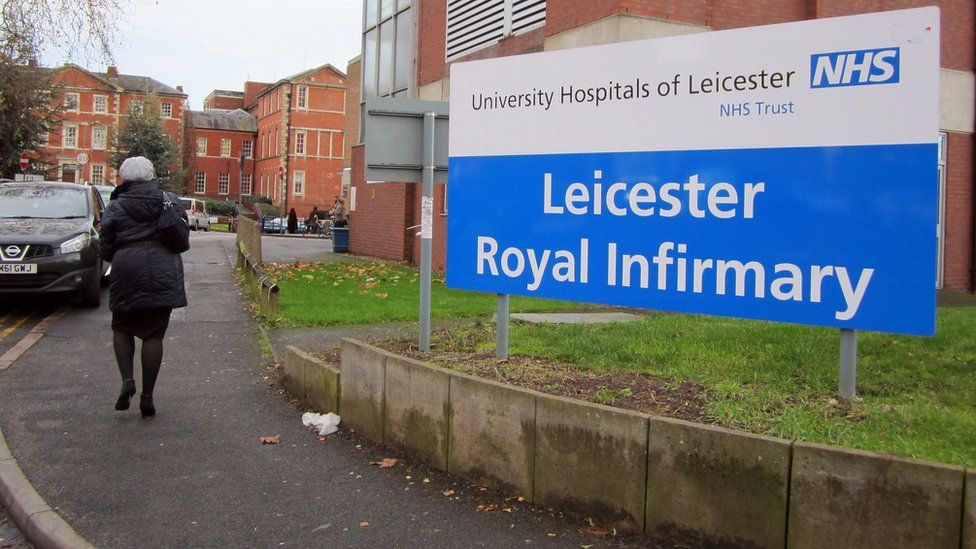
x: 18, y: 268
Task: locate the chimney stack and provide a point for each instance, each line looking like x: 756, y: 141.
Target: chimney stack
x: 179, y: 88
x: 112, y: 71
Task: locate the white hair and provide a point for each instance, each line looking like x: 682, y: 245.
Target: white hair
x: 137, y: 168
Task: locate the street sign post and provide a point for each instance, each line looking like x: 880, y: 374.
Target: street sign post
x: 392, y: 130
x: 766, y: 173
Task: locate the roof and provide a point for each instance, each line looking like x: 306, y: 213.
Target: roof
x: 228, y: 93
x: 217, y: 119
x: 297, y: 77
x: 142, y: 84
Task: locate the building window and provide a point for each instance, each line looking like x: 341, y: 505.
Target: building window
x: 298, y: 187
x: 223, y: 183
x: 246, y: 183
x: 100, y: 104
x: 302, y: 97
x: 98, y: 174
x: 200, y: 183
x: 300, y: 142
x: 246, y: 147
x: 387, y: 52
x: 201, y: 146
x: 71, y: 102
x: 225, y: 147
x: 276, y: 141
x: 99, y: 138
x: 472, y: 26
x: 166, y: 109
x: 69, y: 137
x: 264, y: 146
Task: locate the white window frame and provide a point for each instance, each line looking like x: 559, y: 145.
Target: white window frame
x: 297, y: 190
x: 95, y: 99
x: 200, y: 183
x: 77, y: 97
x: 99, y: 144
x: 225, y: 146
x: 100, y: 179
x: 301, y: 142
x: 166, y: 109
x: 64, y: 136
x: 248, y: 147
x: 223, y: 183
x: 301, y: 100
x: 202, y: 150
x: 246, y: 184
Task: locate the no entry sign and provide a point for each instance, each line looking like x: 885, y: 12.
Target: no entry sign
x: 771, y: 173
x: 24, y: 161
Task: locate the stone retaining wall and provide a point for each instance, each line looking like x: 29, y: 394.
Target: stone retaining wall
x: 249, y: 237
x: 673, y: 480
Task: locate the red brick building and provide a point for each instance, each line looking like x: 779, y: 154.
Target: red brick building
x: 300, y: 137
x: 95, y: 108
x: 407, y: 52
x: 217, y: 140
x: 224, y: 99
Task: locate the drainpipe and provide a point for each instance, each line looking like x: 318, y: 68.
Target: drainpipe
x: 285, y: 125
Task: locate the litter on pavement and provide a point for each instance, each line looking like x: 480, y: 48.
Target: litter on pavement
x: 325, y: 423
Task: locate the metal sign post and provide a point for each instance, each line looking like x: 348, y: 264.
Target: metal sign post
x: 847, y: 387
x: 391, y: 131
x: 501, y: 327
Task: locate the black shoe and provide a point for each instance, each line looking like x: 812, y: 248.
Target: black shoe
x: 146, y: 406
x: 128, y: 389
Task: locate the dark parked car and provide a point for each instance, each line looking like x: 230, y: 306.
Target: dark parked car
x: 49, y: 240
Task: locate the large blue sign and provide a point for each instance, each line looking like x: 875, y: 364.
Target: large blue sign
x: 746, y: 190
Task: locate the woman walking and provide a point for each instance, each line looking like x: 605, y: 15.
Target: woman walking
x: 147, y: 278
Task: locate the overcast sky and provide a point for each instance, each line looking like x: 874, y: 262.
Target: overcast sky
x: 218, y: 44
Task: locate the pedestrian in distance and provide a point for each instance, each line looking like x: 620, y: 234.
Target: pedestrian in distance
x: 147, y: 276
x: 338, y: 213
x: 292, y: 221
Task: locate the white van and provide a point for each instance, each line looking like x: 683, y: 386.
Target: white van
x: 196, y: 213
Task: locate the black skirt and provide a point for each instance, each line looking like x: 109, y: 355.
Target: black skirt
x: 146, y: 324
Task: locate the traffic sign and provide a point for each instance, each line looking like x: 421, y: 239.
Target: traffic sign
x: 24, y: 161
x: 82, y: 158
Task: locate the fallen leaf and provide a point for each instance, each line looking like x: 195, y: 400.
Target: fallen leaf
x: 449, y: 493
x: 520, y: 498
x: 488, y: 508
x: 363, y: 524
x: 507, y: 509
x: 384, y: 463
x: 551, y: 535
x: 598, y: 532
x: 382, y: 296
x: 426, y: 481
x: 271, y: 440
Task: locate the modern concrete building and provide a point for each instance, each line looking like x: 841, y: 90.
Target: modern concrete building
x: 409, y: 46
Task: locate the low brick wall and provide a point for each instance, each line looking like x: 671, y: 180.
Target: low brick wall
x: 676, y: 481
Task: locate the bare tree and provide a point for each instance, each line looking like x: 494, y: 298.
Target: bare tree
x: 79, y: 30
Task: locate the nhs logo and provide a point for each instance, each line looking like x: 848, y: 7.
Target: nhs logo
x: 854, y: 68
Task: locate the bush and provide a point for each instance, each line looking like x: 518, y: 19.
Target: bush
x: 269, y: 210
x: 256, y: 199
x: 221, y: 207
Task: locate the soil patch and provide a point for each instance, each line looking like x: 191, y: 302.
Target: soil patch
x: 630, y: 390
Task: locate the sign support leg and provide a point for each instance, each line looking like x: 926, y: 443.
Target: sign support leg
x: 847, y: 388
x: 426, y: 230
x: 501, y: 327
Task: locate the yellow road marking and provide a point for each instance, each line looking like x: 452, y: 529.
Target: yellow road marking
x: 14, y: 326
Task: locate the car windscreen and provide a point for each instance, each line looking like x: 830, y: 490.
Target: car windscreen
x: 42, y: 202
x: 187, y: 204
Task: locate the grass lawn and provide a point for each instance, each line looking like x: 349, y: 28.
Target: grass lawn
x: 221, y: 227
x: 918, y: 395
x: 322, y: 294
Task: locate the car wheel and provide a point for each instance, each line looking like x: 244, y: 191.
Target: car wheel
x: 196, y: 225
x: 207, y: 228
x: 91, y: 296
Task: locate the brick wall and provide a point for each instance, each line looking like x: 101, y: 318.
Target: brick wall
x: 224, y: 102
x: 212, y: 164
x: 958, y: 265
x: 353, y: 77
x: 383, y: 212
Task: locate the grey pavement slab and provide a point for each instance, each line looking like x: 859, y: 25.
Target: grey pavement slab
x: 196, y: 475
x: 575, y: 318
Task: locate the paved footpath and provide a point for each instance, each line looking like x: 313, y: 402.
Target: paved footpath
x: 196, y: 475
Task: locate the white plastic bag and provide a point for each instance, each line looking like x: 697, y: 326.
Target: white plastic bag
x: 325, y: 423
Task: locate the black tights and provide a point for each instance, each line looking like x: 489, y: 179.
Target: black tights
x: 152, y: 358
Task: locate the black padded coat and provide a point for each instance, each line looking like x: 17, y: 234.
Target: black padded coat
x: 145, y: 274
